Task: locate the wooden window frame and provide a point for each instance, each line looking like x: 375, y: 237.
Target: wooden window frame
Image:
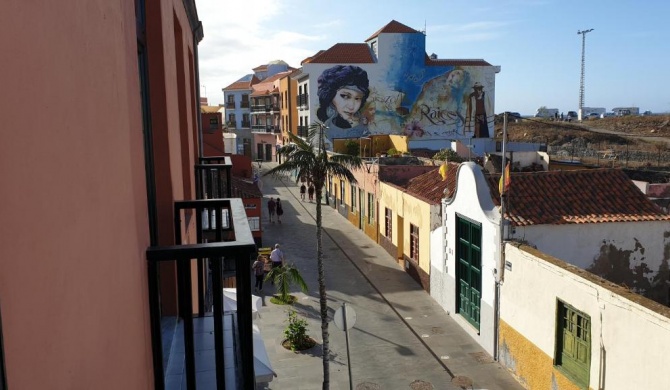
x: 388, y: 227
x: 371, y: 208
x: 414, y: 242
x: 578, y: 325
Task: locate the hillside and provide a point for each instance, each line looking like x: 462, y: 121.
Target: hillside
x: 638, y: 132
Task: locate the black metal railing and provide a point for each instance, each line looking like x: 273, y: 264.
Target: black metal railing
x: 230, y: 104
x: 233, y: 240
x: 244, y: 104
x: 213, y: 177
x: 246, y: 124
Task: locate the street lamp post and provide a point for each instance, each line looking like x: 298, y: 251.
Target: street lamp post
x: 581, y: 79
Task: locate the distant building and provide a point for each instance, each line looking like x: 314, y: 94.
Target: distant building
x: 400, y: 91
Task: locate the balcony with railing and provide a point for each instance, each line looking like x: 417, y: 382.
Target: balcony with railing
x: 302, y: 101
x: 223, y: 248
x: 244, y: 104
x: 246, y: 124
x: 230, y: 104
x: 265, y: 129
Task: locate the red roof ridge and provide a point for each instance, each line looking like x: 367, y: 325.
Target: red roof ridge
x: 393, y: 27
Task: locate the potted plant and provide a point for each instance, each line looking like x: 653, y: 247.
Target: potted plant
x: 296, y: 334
x: 284, y: 277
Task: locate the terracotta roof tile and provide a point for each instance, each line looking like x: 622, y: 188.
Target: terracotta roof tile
x: 393, y: 27
x: 209, y: 109
x: 582, y: 196
x: 343, y: 53
x: 245, y: 188
x: 242, y: 84
x: 430, y: 187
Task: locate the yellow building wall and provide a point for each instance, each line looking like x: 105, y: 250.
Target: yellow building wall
x: 531, y: 367
x: 399, y: 142
x: 417, y: 213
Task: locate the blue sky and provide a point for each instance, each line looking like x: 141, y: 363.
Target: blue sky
x: 534, y: 41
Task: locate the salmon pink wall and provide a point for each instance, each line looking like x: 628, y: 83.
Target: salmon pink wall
x: 74, y: 226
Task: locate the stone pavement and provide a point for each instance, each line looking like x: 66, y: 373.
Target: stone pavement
x: 402, y: 338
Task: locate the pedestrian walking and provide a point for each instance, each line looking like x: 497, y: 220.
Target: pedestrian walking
x: 280, y: 210
x: 272, y: 205
x: 277, y: 258
x: 302, y: 191
x: 259, y: 272
x: 311, y: 192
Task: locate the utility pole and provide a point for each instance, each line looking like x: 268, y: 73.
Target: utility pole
x: 581, y: 79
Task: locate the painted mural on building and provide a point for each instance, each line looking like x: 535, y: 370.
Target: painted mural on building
x: 402, y: 95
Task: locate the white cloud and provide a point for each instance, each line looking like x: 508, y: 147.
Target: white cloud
x: 239, y: 37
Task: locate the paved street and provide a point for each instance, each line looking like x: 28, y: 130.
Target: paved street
x: 401, y: 339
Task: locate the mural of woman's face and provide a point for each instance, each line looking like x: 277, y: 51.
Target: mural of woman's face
x: 455, y: 78
x: 347, y: 102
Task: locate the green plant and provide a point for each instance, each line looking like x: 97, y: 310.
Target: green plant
x: 309, y: 157
x: 352, y: 148
x: 448, y: 155
x: 284, y: 277
x: 392, y: 152
x: 296, y: 332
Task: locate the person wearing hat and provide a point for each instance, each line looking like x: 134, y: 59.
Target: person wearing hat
x: 476, y: 117
x: 343, y: 91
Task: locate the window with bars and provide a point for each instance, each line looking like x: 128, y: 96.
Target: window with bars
x: 353, y: 197
x: 342, y: 192
x: 389, y: 222
x: 371, y: 209
x: 414, y: 242
x: 254, y: 224
x: 573, y: 343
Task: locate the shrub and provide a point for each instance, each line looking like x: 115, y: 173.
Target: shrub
x: 296, y: 332
x: 449, y: 155
x: 352, y: 148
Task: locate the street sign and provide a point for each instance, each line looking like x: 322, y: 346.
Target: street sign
x: 339, y: 318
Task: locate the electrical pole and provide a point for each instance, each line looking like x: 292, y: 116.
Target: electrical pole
x: 581, y: 79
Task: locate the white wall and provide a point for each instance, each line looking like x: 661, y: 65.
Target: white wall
x: 636, y: 339
x: 581, y: 244
x: 473, y: 201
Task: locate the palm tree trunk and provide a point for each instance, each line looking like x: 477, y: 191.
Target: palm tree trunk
x: 323, y: 302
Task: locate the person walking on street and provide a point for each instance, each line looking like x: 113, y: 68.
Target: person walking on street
x: 311, y: 192
x: 277, y: 258
x: 280, y: 210
x: 271, y: 209
x: 259, y: 272
x: 302, y: 191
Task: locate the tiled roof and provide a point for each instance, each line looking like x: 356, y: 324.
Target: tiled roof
x: 242, y: 84
x: 582, y: 196
x: 455, y: 62
x: 209, y: 109
x: 430, y: 186
x: 393, y: 27
x: 245, y: 188
x: 343, y: 53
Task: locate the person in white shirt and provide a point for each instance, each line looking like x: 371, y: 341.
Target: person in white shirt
x: 277, y: 257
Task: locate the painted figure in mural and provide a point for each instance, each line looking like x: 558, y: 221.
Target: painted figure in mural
x: 476, y: 117
x: 343, y: 91
x: 438, y: 110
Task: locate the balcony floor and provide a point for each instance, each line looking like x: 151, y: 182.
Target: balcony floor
x: 203, y: 338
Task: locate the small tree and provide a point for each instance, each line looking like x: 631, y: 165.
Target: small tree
x: 352, y: 148
x: 296, y: 332
x: 284, y: 277
x: 448, y: 155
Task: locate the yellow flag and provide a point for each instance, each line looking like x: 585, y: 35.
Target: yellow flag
x: 443, y: 170
x: 508, y: 180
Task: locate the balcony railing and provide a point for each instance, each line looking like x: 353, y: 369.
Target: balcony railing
x: 246, y: 124
x: 244, y: 104
x: 228, y: 227
x: 213, y: 177
x: 230, y: 104
x: 303, y: 101
x: 265, y: 129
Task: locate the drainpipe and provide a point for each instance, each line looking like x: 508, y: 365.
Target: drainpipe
x: 500, y: 274
x: 197, y: 37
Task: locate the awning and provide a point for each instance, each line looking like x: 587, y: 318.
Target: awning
x: 262, y: 366
x: 230, y: 302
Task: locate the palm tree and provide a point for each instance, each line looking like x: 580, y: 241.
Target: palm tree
x: 283, y: 277
x: 309, y: 159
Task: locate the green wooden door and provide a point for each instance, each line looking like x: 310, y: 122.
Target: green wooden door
x: 469, y: 269
x: 575, y: 343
